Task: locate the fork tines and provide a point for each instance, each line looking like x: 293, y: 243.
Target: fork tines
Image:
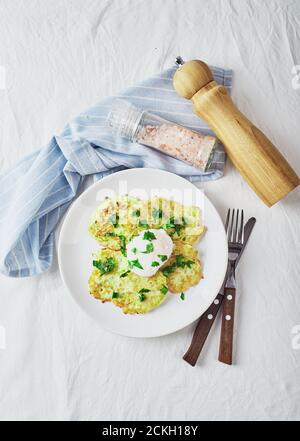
x: 234, y: 226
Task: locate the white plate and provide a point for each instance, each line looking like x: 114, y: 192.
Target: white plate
x: 75, y: 249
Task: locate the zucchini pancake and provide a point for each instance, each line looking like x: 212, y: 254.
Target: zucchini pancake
x: 146, y: 250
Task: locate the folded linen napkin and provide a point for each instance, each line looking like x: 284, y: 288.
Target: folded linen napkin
x: 38, y: 190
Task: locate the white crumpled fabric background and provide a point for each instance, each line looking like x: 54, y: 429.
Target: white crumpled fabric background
x: 58, y: 58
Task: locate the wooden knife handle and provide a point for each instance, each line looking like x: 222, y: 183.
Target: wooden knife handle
x: 226, y: 339
x: 202, y: 330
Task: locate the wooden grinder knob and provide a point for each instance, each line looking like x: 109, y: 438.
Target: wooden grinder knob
x: 252, y: 153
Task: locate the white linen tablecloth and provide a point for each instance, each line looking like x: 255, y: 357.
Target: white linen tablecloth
x: 57, y: 58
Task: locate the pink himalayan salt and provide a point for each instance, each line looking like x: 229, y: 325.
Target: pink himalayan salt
x: 179, y: 142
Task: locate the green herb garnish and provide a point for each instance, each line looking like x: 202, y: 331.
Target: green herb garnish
x: 148, y: 235
x: 105, y: 266
x: 155, y: 263
x: 134, y: 250
x: 125, y: 274
x: 179, y: 260
x: 135, y: 263
x: 115, y: 295
x: 142, y: 297
x: 157, y: 213
x: 143, y: 290
x: 114, y: 219
x: 149, y: 248
x: 169, y: 269
x: 123, y: 245
x: 178, y: 228
x: 143, y: 224
x: 182, y: 296
x: 163, y: 257
x: 181, y: 263
x: 109, y: 234
x: 136, y: 213
x: 164, y: 289
x: 171, y: 224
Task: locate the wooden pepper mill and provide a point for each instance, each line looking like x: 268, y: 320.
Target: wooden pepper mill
x: 252, y: 153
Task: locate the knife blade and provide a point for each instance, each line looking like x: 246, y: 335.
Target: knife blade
x: 206, y: 321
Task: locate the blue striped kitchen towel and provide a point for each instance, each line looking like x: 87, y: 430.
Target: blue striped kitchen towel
x: 38, y: 190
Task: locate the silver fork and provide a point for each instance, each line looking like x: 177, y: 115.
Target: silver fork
x: 235, y: 236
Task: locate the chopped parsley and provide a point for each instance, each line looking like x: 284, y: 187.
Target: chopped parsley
x: 115, y: 295
x: 109, y: 234
x: 169, y: 269
x: 149, y: 248
x: 178, y: 228
x: 184, y: 221
x: 134, y: 250
x: 148, y: 235
x: 157, y: 213
x: 143, y: 290
x: 143, y: 223
x: 164, y: 289
x: 114, y: 219
x: 125, y: 274
x: 181, y: 263
x: 123, y: 245
x: 135, y: 263
x: 155, y: 263
x: 172, y: 224
x: 182, y: 296
x: 105, y: 266
x: 162, y: 257
x: 136, y: 213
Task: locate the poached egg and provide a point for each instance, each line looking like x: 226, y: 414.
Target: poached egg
x: 148, y: 251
